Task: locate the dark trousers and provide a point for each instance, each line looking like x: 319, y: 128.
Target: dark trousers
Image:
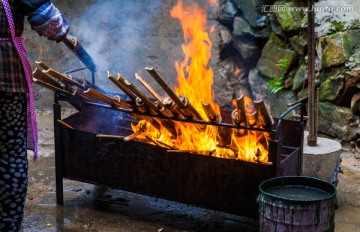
x: 13, y: 160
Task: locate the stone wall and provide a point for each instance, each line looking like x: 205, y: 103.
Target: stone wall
x: 270, y: 49
x: 253, y: 51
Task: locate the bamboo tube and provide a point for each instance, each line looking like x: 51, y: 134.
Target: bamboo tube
x: 49, y: 86
x: 79, y: 93
x: 149, y: 88
x: 163, y: 110
x: 38, y: 74
x: 102, y: 97
x: 210, y: 113
x: 121, y: 86
x: 63, y: 78
x: 42, y: 64
x: 153, y: 109
x: 164, y: 86
x: 241, y: 114
x: 172, y: 107
x: 252, y: 119
x: 264, y: 116
x: 189, y: 108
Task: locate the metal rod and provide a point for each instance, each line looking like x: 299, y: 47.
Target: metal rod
x: 311, y: 138
x: 179, y: 119
x: 65, y: 124
x: 110, y: 136
x: 75, y: 70
x: 58, y: 153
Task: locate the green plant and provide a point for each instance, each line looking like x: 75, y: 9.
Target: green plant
x: 339, y: 26
x: 275, y: 84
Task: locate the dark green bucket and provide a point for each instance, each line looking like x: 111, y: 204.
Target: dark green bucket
x: 296, y: 204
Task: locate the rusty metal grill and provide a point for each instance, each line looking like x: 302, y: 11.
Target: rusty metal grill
x: 226, y: 185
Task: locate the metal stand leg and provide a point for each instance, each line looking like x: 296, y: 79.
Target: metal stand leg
x: 58, y: 154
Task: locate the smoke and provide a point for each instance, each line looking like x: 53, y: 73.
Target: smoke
x: 117, y: 35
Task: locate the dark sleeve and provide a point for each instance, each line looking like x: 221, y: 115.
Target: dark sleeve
x: 28, y: 6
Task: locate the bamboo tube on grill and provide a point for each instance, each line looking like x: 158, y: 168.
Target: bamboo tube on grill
x: 171, y: 106
x: 210, y: 113
x: 159, y: 102
x: 79, y: 94
x: 222, y: 133
x: 63, y: 78
x: 240, y: 108
x: 121, y: 86
x: 141, y: 108
x: 165, y: 87
x: 153, y: 109
x: 239, y: 116
x: 149, y: 88
x: 102, y: 97
x: 169, y: 125
x: 39, y: 75
x: 50, y: 86
x: 264, y: 116
x: 189, y: 109
x: 42, y: 64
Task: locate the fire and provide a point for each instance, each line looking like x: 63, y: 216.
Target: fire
x: 195, y: 79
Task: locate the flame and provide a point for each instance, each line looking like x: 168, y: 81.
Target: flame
x: 195, y: 79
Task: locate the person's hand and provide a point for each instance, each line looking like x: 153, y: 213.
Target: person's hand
x: 57, y: 29
x: 49, y: 22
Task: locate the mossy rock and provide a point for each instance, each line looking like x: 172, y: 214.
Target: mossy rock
x: 289, y: 20
x: 337, y: 48
x: 271, y: 53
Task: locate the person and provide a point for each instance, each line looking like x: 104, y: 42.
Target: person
x: 18, y: 130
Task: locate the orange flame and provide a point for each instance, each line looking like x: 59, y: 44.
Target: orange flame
x: 195, y: 79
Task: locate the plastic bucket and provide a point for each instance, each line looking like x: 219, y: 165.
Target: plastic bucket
x: 296, y: 203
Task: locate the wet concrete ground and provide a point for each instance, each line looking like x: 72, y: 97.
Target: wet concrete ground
x: 93, y: 208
